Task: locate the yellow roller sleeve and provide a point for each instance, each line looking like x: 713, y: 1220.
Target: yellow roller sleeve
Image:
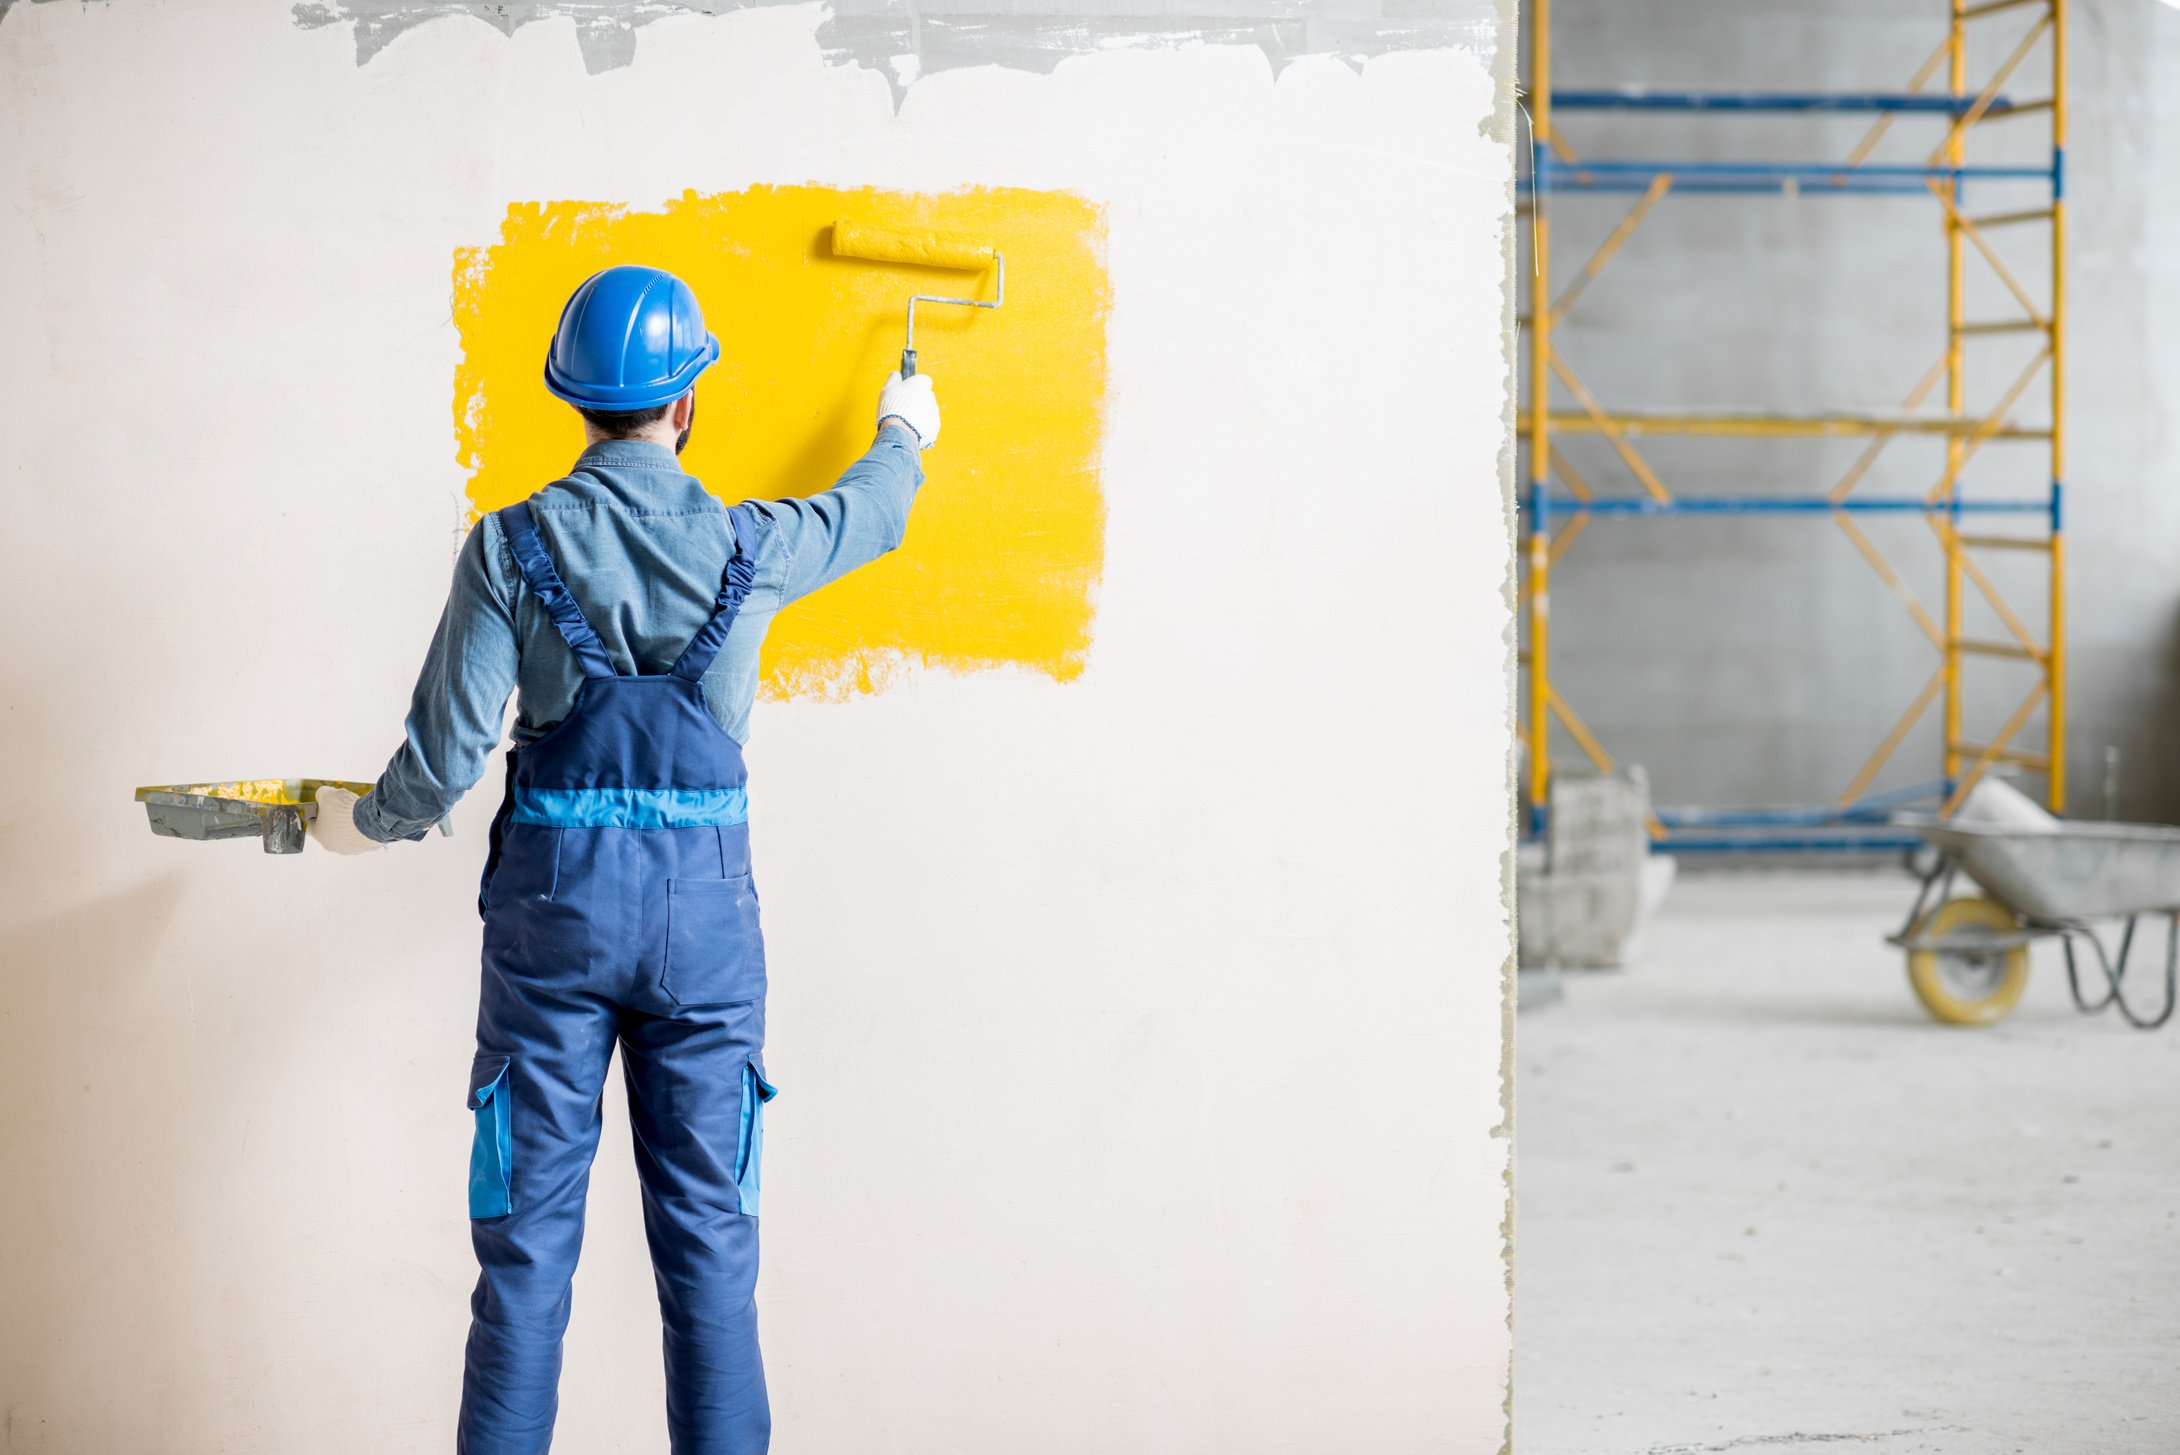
x: 901, y: 245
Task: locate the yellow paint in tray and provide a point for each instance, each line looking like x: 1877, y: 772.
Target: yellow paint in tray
x: 1006, y: 542
x: 252, y: 790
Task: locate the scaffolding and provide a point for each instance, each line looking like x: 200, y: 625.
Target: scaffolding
x: 1558, y: 504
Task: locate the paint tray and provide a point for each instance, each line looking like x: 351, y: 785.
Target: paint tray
x: 273, y: 811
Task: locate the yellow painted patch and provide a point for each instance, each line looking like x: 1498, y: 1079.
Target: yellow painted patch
x: 1006, y: 541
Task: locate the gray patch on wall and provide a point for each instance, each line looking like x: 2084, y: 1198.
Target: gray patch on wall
x: 903, y: 44
x: 7, y: 5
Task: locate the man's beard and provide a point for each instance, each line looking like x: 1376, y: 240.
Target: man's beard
x: 681, y: 441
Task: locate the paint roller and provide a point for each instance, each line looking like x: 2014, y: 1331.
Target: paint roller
x: 921, y: 249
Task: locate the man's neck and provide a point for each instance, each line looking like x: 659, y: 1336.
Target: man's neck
x: 663, y: 437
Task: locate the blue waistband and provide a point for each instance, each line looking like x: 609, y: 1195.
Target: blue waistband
x: 631, y: 808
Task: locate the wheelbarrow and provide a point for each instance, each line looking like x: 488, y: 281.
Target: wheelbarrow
x: 1968, y: 957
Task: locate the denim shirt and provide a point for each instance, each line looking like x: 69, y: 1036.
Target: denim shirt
x: 642, y: 546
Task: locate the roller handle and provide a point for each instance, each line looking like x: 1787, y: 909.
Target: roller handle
x: 908, y: 363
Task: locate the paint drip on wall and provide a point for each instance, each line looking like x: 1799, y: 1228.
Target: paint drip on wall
x: 1006, y: 542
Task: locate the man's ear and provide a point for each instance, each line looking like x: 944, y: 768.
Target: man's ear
x: 684, y: 411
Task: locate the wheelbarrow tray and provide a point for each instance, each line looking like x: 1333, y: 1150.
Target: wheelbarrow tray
x: 2072, y: 871
x: 273, y: 810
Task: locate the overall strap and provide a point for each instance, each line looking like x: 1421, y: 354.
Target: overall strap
x: 537, y: 569
x: 696, y: 658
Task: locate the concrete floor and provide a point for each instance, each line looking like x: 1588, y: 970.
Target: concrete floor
x: 1767, y: 1206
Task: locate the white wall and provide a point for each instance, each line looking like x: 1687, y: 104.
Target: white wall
x: 1141, y: 1036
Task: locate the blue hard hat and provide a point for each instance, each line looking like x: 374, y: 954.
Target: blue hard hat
x: 631, y: 338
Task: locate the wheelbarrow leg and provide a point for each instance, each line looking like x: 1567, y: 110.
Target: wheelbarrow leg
x: 2082, y: 1002
x: 2172, y: 962
x: 2115, y: 974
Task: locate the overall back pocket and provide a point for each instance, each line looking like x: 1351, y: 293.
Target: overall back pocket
x: 715, y: 952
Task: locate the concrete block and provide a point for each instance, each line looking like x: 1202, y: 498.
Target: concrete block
x: 1583, y: 896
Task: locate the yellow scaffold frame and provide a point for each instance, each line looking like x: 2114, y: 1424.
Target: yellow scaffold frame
x: 1559, y: 504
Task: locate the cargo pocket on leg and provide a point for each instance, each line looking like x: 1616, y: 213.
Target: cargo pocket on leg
x: 492, y: 1148
x: 749, y: 1147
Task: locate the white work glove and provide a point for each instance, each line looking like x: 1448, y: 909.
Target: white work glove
x: 911, y: 402
x: 335, y: 826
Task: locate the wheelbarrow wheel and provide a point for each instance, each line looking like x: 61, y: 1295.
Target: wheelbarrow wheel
x: 1972, y: 977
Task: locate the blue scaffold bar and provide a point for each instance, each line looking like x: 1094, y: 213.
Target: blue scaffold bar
x: 1860, y: 843
x: 1702, y: 187
x: 1865, y: 826
x: 1874, y: 809
x: 1635, y: 176
x: 1638, y: 98
x: 1565, y: 502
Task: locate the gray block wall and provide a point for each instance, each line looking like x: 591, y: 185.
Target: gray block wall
x: 1757, y: 661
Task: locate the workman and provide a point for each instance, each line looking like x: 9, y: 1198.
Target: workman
x: 626, y: 604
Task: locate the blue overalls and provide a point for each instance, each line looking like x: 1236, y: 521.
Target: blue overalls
x: 618, y: 908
